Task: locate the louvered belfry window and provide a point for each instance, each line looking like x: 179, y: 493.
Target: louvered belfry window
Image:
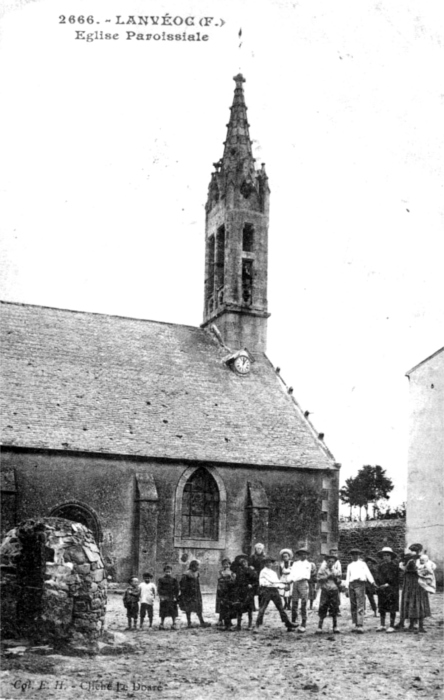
x: 200, y: 507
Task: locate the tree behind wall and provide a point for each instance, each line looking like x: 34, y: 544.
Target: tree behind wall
x: 369, y: 486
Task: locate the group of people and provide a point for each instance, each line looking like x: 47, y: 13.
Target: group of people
x: 293, y: 590
x: 173, y: 594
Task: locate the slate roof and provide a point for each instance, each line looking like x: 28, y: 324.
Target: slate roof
x: 106, y: 384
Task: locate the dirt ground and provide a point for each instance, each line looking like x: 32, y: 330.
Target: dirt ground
x: 272, y: 663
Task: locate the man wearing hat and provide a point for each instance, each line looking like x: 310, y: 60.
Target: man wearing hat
x: 387, y: 578
x: 337, y: 568
x: 269, y: 589
x: 330, y: 583
x: 300, y: 575
x: 358, y: 574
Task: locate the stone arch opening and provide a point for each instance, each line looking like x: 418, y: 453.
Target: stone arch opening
x: 210, y: 495
x: 78, y: 512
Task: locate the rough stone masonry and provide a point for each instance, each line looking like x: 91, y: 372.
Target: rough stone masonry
x: 53, y: 583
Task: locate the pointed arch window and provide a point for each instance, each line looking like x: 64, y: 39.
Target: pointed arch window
x: 200, y: 509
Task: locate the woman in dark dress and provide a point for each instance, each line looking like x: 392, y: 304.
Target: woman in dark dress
x: 190, y: 599
x: 245, y: 586
x: 387, y: 579
x: 225, y: 595
x: 415, y: 604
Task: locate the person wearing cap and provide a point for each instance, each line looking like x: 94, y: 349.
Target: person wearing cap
x: 190, y: 596
x: 387, y: 579
x: 168, y: 589
x: 330, y: 584
x: 285, y: 564
x: 300, y: 575
x: 269, y: 586
x: 415, y: 604
x: 358, y: 574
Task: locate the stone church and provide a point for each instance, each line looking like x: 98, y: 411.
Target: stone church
x: 170, y: 442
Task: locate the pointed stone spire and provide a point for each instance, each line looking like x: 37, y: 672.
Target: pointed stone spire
x: 237, y: 152
x: 236, y: 239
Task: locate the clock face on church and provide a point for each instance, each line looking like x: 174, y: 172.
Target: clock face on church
x: 242, y: 364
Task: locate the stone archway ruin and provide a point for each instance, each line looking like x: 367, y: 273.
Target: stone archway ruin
x: 53, y: 583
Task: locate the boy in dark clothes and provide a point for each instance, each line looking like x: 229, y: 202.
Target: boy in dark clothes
x: 131, y: 601
x: 387, y: 579
x: 168, y: 590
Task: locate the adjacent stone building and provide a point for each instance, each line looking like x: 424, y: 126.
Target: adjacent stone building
x: 168, y: 441
x: 425, y: 485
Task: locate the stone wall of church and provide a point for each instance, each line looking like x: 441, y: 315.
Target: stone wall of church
x: 134, y: 503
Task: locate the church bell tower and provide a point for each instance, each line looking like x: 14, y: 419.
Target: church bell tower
x: 236, y: 239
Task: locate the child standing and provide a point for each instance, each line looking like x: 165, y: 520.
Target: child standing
x: 284, y: 573
x: 131, y: 601
x: 330, y: 583
x: 387, y: 578
x: 168, y: 588
x: 358, y: 574
x: 147, y: 594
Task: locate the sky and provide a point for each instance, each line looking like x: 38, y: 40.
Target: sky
x: 107, y: 151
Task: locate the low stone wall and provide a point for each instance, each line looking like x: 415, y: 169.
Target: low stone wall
x: 53, y: 583
x: 371, y: 536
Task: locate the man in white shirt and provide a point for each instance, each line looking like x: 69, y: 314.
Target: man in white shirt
x: 269, y: 585
x: 358, y: 574
x: 300, y: 573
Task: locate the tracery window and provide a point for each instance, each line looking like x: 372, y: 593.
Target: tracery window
x: 200, y: 507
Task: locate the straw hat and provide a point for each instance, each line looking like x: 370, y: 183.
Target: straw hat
x: 286, y: 551
x: 387, y: 550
